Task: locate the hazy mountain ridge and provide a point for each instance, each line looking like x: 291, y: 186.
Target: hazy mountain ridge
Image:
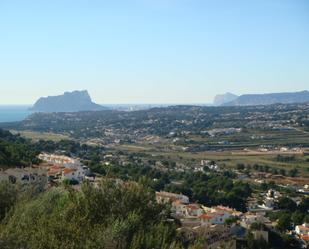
x: 221, y: 99
x: 68, y: 102
x: 270, y: 98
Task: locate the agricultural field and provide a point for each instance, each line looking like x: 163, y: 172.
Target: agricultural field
x: 36, y: 136
x: 231, y: 158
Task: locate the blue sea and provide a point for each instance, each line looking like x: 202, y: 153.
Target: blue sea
x: 11, y: 113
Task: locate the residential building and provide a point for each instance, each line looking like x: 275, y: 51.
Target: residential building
x: 167, y: 197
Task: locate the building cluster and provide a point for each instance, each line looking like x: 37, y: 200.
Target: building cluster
x: 302, y: 232
x: 217, y: 224
x: 221, y: 223
x: 193, y: 214
x: 211, y: 165
x: 268, y: 201
x: 63, y: 167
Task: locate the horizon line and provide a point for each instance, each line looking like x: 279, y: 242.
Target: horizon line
x: 146, y: 103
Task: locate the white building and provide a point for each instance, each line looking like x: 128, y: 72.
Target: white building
x: 302, y: 229
x: 273, y: 194
x: 269, y: 203
x: 179, y: 208
x: 77, y: 173
x: 58, y: 159
x: 217, y: 215
x: 193, y: 210
x: 167, y: 197
x: 217, y: 218
x: 249, y: 218
x: 65, y: 167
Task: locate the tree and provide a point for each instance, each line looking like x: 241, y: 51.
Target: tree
x: 258, y: 226
x: 8, y: 197
x: 111, y: 215
x: 284, y: 222
x: 256, y: 244
x: 304, y: 205
x: 16, y: 151
x: 293, y: 172
x: 240, y: 166
x: 282, y: 172
x: 231, y: 220
x: 287, y: 204
x: 298, y: 217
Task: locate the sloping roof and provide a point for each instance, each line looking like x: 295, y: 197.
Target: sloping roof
x: 178, y: 203
x: 54, y: 170
x: 68, y: 170
x: 223, y: 208
x: 303, y: 228
x: 205, y: 217
x: 305, y: 237
x: 193, y: 206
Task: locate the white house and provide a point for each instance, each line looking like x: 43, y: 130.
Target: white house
x: 269, y: 203
x: 273, y: 194
x: 215, y: 218
x: 302, y: 229
x: 220, y: 217
x: 179, y: 208
x: 249, y: 218
x: 206, y: 220
x: 77, y: 174
x: 167, y: 197
x: 193, y: 210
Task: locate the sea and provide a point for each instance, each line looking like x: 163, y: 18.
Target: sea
x: 12, y: 113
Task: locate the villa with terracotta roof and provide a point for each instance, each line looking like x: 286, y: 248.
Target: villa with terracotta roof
x: 179, y: 208
x: 194, y: 214
x: 214, y: 218
x: 305, y: 239
x: 302, y: 229
x: 303, y: 233
x: 193, y: 210
x: 77, y: 174
x: 63, y: 167
x: 167, y: 197
x: 206, y: 220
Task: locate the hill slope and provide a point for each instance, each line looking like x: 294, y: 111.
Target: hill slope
x: 15, y: 151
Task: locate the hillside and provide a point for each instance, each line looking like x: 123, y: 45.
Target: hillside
x: 68, y: 102
x: 15, y: 151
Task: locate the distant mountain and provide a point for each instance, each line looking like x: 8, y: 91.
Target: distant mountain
x: 224, y: 98
x: 270, y: 98
x: 68, y: 102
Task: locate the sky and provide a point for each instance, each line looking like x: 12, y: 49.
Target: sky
x: 152, y: 51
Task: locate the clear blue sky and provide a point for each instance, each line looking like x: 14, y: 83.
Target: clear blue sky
x: 152, y: 51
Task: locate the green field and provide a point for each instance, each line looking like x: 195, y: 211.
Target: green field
x: 261, y: 137
x: 225, y: 159
x: 36, y: 136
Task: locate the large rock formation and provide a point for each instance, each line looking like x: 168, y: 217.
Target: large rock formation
x: 224, y: 98
x: 68, y: 102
